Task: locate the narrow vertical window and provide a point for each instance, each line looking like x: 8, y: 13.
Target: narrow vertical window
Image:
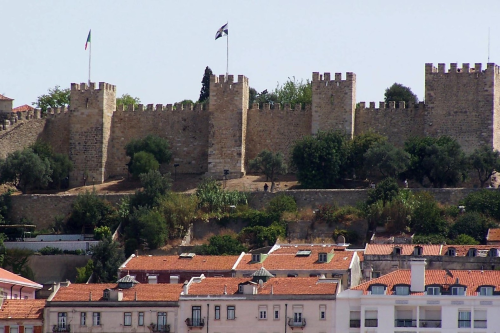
x: 127, y: 319
x: 96, y: 319
x: 141, y: 319
x: 83, y: 319
x: 231, y: 312
x: 322, y: 312
x: 217, y: 312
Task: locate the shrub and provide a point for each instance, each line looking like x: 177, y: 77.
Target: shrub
x: 280, y: 204
x: 473, y: 224
x: 143, y: 163
x: 90, y: 211
x: 149, y: 226
x: 212, y: 198
x: 484, y: 201
x: 463, y: 239
x: 158, y: 147
x: 427, y: 217
x: 222, y: 245
x: 48, y: 250
x: 430, y: 239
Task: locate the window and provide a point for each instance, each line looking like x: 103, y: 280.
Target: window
x: 62, y: 319
x: 230, y: 312
x: 493, y: 253
x: 217, y: 312
x: 322, y: 257
x: 486, y: 291
x: 472, y: 252
x: 105, y: 294
x: 402, y: 290
x: 451, y: 252
x: 28, y: 329
x: 152, y: 279
x: 355, y: 319
x: 96, y: 319
x: 464, y: 319
x: 83, y: 319
x: 418, y: 251
x: 196, y: 316
x: 376, y: 275
x: 14, y: 329
x: 322, y: 312
x: 396, y: 251
x: 458, y: 291
x: 371, y: 318
x: 262, y: 312
x: 433, y: 291
x: 174, y: 279
x: 297, y: 314
x: 276, y: 312
x: 256, y: 257
x: 162, y: 321
x: 378, y: 290
x: 127, y: 319
x: 240, y: 288
x: 480, y: 319
x: 141, y: 319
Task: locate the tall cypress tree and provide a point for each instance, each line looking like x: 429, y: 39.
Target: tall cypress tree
x: 205, y: 85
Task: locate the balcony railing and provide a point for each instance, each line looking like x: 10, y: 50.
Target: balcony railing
x: 159, y: 328
x: 371, y: 322
x: 464, y: 323
x: 405, y: 323
x: 61, y: 328
x: 355, y: 323
x: 430, y: 323
x: 480, y: 324
x: 195, y: 322
x: 296, y: 323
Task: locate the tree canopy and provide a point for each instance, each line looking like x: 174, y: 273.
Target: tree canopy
x: 26, y: 170
x: 397, y: 92
x: 292, y: 91
x: 270, y: 164
x: 127, y: 100
x: 56, y: 97
x: 152, y: 144
x: 485, y: 161
x: 205, y: 86
x: 387, y: 159
x: 358, y: 147
x: 107, y: 256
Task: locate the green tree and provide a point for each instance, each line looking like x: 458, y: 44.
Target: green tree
x: 294, y: 92
x: 385, y: 191
x: 213, y: 199
x: 83, y: 273
x: 25, y: 170
x: 154, y: 187
x: 280, y: 204
x: 473, y: 224
x: 387, y: 159
x: 427, y: 217
x: 321, y: 160
x: 260, y: 236
x: 56, y: 97
x: 5, y: 209
x: 60, y: 164
x: 485, y: 201
x: 485, y: 160
x: 2, y: 250
x: 102, y: 232
x: 442, y: 161
x: 143, y: 163
x: 205, y: 85
x: 158, y: 147
x: 397, y: 92
x: 262, y: 98
x: 16, y: 260
x: 357, y: 149
x: 463, y: 239
x: 107, y: 257
x: 127, y: 100
x: 149, y: 226
x: 90, y: 211
x: 179, y: 211
x: 270, y: 164
x: 222, y: 245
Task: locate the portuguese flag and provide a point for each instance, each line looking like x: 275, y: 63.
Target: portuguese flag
x: 88, y: 40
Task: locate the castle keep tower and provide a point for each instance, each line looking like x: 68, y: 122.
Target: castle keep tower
x: 227, y: 125
x: 90, y: 126
x: 333, y: 103
x: 463, y: 103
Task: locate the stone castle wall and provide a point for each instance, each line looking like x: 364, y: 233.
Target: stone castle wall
x: 276, y: 129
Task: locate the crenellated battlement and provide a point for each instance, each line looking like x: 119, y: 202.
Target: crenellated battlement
x: 162, y: 108
x: 223, y: 81
x: 279, y: 107
x: 389, y: 106
x: 455, y: 69
x: 326, y: 77
x: 92, y: 86
x: 12, y: 118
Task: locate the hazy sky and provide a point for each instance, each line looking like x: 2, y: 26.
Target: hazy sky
x: 158, y: 50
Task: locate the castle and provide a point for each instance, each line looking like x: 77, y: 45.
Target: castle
x: 463, y: 103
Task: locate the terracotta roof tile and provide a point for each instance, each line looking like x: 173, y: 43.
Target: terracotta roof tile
x: 174, y: 263
x: 22, y: 309
x: 471, y: 279
x: 145, y: 292
x: 462, y: 250
x: 9, y: 277
x: 406, y: 249
x: 493, y: 235
x: 281, y: 286
x: 23, y: 108
x: 5, y: 98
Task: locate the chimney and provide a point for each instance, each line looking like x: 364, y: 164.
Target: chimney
x: 417, y: 275
x: 185, y: 288
x: 225, y: 289
x: 90, y: 296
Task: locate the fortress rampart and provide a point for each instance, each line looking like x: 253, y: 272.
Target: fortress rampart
x: 462, y: 102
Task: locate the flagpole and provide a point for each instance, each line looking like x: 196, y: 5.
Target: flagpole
x: 227, y: 52
x: 90, y: 58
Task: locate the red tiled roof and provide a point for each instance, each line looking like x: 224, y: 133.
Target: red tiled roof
x: 5, y: 98
x: 22, y: 309
x: 289, y: 261
x: 406, y: 249
x: 292, y: 249
x: 23, y: 108
x: 9, y: 277
x: 174, y: 263
x: 145, y: 292
x: 462, y: 250
x: 493, y: 235
x: 280, y: 286
x: 471, y: 279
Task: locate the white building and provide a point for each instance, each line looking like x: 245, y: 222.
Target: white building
x: 13, y: 286
x: 420, y: 300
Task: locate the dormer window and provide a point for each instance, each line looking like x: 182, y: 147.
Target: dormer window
x: 396, y: 251
x: 486, y: 291
x: 105, y: 294
x: 256, y: 257
x: 377, y: 290
x: 322, y: 257
x: 240, y: 289
x: 418, y: 251
x: 472, y: 253
x: 451, y: 252
x: 434, y: 291
x: 493, y: 253
x: 402, y: 290
x: 458, y: 291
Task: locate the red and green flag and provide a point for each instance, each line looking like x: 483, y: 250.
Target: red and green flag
x: 88, y: 40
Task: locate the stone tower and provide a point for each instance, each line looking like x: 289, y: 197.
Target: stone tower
x: 333, y: 103
x: 91, y: 111
x: 463, y: 103
x: 227, y: 125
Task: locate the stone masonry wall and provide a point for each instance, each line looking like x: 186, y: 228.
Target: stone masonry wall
x: 460, y: 103
x: 185, y: 129
x: 276, y: 129
x: 397, y: 124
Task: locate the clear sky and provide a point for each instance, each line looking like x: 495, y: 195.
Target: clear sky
x: 158, y: 50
